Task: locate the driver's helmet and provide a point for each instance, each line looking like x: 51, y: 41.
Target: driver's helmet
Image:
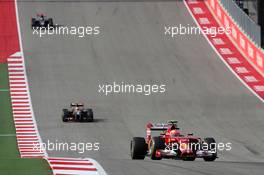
x: 173, y: 127
x: 38, y: 16
x: 77, y: 110
x: 42, y: 16
x: 174, y: 133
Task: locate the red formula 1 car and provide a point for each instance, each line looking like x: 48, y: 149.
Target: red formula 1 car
x: 170, y: 143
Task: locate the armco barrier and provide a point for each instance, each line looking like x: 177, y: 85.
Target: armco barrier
x: 252, y: 52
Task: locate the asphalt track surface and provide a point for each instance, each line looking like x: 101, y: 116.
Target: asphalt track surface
x: 202, y: 93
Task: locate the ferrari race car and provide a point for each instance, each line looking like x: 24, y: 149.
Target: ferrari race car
x: 170, y: 143
x: 41, y: 21
x: 77, y: 113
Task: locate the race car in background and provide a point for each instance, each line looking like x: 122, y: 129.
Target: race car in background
x: 170, y: 143
x: 41, y: 20
x: 78, y: 113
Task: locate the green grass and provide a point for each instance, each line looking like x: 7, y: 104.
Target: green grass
x: 19, y: 166
x: 10, y: 161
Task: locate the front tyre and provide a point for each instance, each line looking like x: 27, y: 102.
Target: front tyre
x: 212, y: 147
x: 156, y: 144
x: 65, y: 115
x: 90, y: 115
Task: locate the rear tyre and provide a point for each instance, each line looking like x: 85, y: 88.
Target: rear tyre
x: 138, y: 148
x: 212, y: 146
x: 90, y: 115
x: 50, y: 22
x: 156, y: 144
x: 33, y: 23
x: 65, y: 115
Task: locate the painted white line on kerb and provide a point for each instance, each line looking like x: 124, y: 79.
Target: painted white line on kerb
x: 21, y: 54
x: 100, y: 169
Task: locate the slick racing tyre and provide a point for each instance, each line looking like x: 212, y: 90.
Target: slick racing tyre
x: 65, y: 115
x: 138, y: 148
x: 156, y: 144
x: 33, y: 23
x: 50, y: 22
x: 90, y: 115
x: 212, y: 145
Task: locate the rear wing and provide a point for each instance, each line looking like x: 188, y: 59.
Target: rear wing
x: 76, y: 105
x: 157, y: 126
x: 160, y: 127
